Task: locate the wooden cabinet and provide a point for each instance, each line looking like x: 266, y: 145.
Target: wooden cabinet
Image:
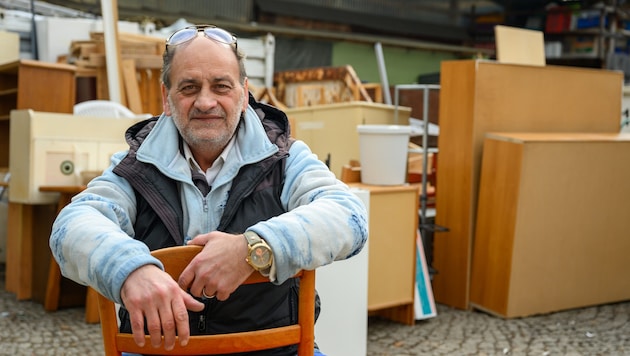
x: 393, y: 224
x: 29, y: 84
x: 48, y: 87
x: 552, y: 223
x: 479, y: 96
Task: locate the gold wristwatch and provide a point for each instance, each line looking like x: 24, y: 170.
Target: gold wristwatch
x: 259, y: 254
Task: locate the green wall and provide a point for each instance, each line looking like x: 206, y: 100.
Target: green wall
x: 403, y: 65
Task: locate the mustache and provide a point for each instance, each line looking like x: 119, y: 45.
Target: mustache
x: 214, y: 111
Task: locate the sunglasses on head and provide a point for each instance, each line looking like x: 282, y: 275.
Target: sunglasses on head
x: 210, y: 31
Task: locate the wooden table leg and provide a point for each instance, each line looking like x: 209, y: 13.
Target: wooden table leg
x: 53, y: 286
x: 14, y: 232
x: 51, y: 301
x: 19, y: 266
x: 404, y: 314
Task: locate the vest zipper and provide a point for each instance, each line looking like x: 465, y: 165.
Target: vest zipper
x: 202, y: 323
x: 205, y: 204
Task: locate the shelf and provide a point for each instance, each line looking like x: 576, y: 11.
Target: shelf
x: 578, y: 32
x: 575, y: 61
x: 11, y: 67
x: 577, y: 56
x: 8, y: 91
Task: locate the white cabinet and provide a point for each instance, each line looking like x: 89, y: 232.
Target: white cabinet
x: 53, y: 149
x: 341, y: 329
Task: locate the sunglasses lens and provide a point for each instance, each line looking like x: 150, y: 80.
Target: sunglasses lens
x: 182, y: 36
x: 219, y: 35
x: 211, y: 32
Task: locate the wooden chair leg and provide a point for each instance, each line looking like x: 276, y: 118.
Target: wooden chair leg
x: 91, y: 307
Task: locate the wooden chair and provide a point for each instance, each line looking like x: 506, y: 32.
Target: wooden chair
x: 175, y: 260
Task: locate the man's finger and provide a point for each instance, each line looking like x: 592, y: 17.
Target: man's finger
x: 168, y: 327
x: 154, y: 326
x: 180, y: 315
x: 137, y: 327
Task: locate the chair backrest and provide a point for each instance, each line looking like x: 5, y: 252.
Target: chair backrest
x: 105, y: 108
x: 175, y: 259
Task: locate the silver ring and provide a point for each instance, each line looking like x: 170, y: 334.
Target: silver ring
x: 203, y: 292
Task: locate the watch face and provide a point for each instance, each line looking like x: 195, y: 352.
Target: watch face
x: 260, y: 256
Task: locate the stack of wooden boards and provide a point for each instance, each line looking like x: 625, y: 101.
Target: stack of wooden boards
x: 140, y: 66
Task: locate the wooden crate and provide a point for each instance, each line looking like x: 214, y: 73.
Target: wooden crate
x: 319, y: 86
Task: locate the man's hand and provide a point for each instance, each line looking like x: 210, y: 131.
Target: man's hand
x: 219, y: 268
x: 151, y: 293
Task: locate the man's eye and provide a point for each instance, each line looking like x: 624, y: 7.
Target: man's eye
x: 222, y: 88
x: 188, y: 89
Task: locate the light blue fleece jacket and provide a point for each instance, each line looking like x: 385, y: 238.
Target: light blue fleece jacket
x: 92, y: 237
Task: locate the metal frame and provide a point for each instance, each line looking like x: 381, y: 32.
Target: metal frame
x: 424, y: 227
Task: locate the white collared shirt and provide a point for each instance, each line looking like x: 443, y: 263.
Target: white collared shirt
x: 212, y: 172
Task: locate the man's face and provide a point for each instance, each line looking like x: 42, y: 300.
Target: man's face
x: 206, y: 99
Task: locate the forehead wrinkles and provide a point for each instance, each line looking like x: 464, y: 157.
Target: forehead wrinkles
x: 203, y: 49
x: 199, y: 80
x: 195, y: 68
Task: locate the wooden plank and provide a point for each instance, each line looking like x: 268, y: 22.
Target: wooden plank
x: 132, y: 92
x: 519, y: 46
x: 495, y: 281
x: 452, y: 250
x: 109, y: 10
x: 102, y: 91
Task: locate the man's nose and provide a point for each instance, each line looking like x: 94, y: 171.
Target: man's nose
x: 205, y: 100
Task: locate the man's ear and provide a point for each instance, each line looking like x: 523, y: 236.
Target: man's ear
x: 246, y: 94
x: 165, y: 105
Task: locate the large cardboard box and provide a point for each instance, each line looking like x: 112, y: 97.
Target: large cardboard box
x: 552, y: 223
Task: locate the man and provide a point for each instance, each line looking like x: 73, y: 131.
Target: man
x: 258, y: 187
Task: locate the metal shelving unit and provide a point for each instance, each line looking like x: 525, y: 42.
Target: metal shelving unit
x: 424, y: 226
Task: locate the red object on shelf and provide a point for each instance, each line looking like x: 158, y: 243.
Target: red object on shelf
x: 558, y: 20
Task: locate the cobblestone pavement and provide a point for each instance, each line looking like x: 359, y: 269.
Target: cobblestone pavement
x: 601, y: 330
x: 26, y: 329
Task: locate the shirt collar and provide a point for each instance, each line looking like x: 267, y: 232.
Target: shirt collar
x: 213, y: 171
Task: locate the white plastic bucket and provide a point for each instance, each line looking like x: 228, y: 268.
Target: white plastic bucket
x: 383, y: 151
